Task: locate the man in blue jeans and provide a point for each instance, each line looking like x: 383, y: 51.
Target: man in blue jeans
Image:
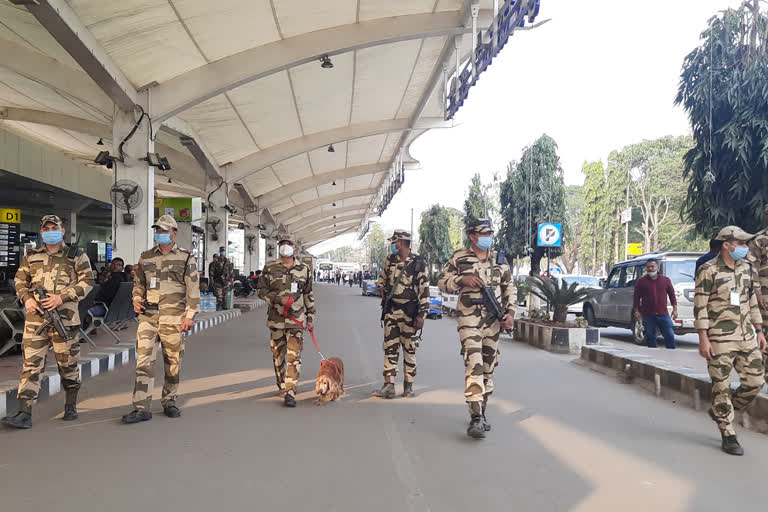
x: 650, y: 305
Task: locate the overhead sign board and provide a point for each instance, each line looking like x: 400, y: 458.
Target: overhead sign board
x: 634, y: 249
x: 10, y: 216
x: 550, y: 235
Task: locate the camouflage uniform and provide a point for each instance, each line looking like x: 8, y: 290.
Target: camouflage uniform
x: 286, y: 337
x: 399, y: 329
x: 221, y: 273
x: 732, y: 335
x: 758, y: 257
x: 478, y: 334
x: 170, y: 285
x: 59, y: 275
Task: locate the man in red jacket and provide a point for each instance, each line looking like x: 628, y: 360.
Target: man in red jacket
x: 650, y: 305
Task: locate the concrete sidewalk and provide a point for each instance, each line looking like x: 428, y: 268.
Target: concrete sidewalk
x: 105, y: 357
x: 678, y: 375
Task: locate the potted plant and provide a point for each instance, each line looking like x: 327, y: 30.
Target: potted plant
x: 557, y: 334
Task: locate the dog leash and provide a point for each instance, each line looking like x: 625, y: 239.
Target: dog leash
x: 323, y: 360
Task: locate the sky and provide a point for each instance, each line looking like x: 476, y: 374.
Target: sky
x: 599, y: 76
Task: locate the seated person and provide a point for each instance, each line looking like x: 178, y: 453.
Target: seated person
x: 130, y: 273
x: 109, y: 287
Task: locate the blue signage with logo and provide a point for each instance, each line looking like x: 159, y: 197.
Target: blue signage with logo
x: 550, y: 235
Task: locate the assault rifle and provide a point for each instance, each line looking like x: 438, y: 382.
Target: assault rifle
x: 495, y: 311
x: 52, y: 317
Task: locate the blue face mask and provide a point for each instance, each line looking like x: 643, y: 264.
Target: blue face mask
x: 222, y: 254
x: 484, y: 242
x: 52, y: 237
x: 163, y: 238
x: 739, y: 253
x: 393, y: 248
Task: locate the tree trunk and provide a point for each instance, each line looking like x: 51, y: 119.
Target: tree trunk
x: 536, y: 257
x: 594, y: 245
x: 560, y: 314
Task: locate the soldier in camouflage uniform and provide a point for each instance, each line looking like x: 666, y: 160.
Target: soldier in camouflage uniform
x: 758, y: 258
x: 221, y: 272
x: 404, y: 281
x: 727, y: 317
x: 464, y: 274
x: 281, y: 280
x: 65, y: 274
x: 166, y: 294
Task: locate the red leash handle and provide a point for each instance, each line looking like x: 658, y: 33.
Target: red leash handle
x: 289, y: 317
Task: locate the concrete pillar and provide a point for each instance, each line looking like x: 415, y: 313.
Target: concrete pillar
x: 129, y: 241
x: 72, y: 227
x: 251, y: 255
x: 270, y: 253
x: 216, y: 197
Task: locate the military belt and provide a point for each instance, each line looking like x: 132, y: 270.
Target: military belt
x: 477, y: 302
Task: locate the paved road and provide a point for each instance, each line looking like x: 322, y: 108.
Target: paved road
x: 564, y: 438
x: 622, y: 337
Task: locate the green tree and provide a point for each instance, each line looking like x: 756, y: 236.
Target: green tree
x: 376, y: 246
x: 533, y: 192
x: 658, y: 188
x: 596, y: 216
x: 723, y: 89
x: 456, y: 230
x: 572, y: 237
x: 616, y: 183
x: 478, y: 203
x: 434, y: 233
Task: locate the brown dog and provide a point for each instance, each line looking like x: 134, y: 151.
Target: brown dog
x: 330, y: 380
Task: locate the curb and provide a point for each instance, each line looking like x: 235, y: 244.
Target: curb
x: 105, y: 360
x: 560, y: 340
x: 693, y: 386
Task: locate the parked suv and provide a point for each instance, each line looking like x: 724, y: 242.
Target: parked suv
x: 612, y: 305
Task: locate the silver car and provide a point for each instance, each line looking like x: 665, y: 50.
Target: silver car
x: 612, y: 305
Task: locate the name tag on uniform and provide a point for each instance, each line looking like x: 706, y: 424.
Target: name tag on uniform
x: 153, y: 282
x: 735, y: 299
x: 294, y: 287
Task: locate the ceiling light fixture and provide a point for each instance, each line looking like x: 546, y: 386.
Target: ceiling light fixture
x: 325, y: 62
x: 334, y: 183
x: 334, y: 203
x: 331, y: 149
x: 101, y: 142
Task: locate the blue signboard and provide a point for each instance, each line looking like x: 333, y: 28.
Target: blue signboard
x: 512, y: 15
x: 550, y: 235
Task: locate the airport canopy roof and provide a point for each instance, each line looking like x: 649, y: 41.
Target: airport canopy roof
x: 244, y: 79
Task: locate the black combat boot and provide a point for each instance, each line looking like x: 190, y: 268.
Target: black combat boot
x: 70, y: 407
x: 408, y: 390
x: 171, y: 411
x: 387, y: 391
x: 731, y: 445
x: 22, y: 419
x: 475, y: 430
x: 289, y: 400
x: 137, y: 417
x: 70, y: 412
x: 486, y: 425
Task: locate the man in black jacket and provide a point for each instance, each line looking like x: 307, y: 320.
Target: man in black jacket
x: 109, y: 287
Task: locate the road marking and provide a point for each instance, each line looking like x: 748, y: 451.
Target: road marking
x: 616, y: 477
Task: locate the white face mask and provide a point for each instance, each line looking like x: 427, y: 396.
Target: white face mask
x: 652, y: 274
x: 286, y: 250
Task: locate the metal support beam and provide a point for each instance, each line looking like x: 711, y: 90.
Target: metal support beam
x: 340, y: 222
x: 66, y: 28
x: 305, y: 184
x: 201, y: 84
x: 292, y: 212
x: 311, y: 242
x: 279, y: 152
x: 184, y: 167
x: 300, y: 222
x: 247, y: 200
x: 70, y: 83
x: 317, y: 219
